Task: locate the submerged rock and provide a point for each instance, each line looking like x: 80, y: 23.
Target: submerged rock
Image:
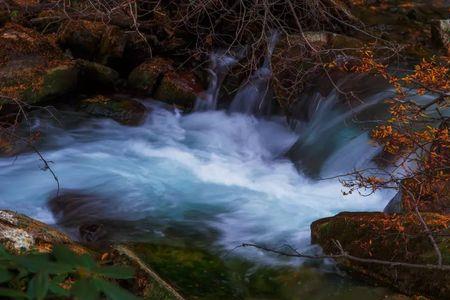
x: 125, y: 111
x: 32, y: 68
x: 19, y: 233
x: 392, y: 238
x: 94, y: 219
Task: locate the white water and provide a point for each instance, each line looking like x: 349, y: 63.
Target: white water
x: 220, y: 65
x: 254, y: 98
x: 203, y: 170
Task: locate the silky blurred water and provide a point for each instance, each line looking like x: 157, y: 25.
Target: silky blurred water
x: 207, y: 170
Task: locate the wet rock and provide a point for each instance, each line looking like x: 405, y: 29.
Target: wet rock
x: 145, y: 77
x: 125, y: 111
x: 19, y: 233
x: 179, y: 88
x: 391, y: 238
x: 97, y: 75
x: 93, y: 40
x: 92, y: 232
x: 440, y: 34
x: 158, y: 78
x: 32, y: 68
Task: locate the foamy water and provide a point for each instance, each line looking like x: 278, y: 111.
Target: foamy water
x: 226, y: 172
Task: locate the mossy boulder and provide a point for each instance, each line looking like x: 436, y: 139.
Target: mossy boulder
x: 93, y: 40
x: 55, y: 82
x: 398, y: 238
x: 97, y: 75
x: 19, y: 233
x: 145, y: 77
x: 158, y: 78
x: 32, y: 68
x: 125, y: 111
x: 180, y: 88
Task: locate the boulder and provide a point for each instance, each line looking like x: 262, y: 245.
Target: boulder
x: 440, y: 34
x: 180, y: 88
x: 97, y: 75
x: 93, y: 40
x: 144, y: 78
x: 399, y: 238
x: 125, y: 111
x: 19, y: 233
x: 158, y: 78
x: 32, y: 68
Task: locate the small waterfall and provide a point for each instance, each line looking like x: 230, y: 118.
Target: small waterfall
x: 220, y: 65
x: 333, y: 134
x: 254, y: 97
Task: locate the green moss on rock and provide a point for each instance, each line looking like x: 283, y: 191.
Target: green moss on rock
x: 179, y: 88
x: 194, y: 273
x: 93, y: 73
x: 144, y: 77
x: 55, y: 82
x: 391, y: 238
x: 32, y: 68
x: 125, y: 111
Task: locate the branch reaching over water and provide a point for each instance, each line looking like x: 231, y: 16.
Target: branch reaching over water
x: 345, y: 255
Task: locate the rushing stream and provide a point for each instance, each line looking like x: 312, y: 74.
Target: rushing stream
x: 225, y: 172
x: 210, y: 180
